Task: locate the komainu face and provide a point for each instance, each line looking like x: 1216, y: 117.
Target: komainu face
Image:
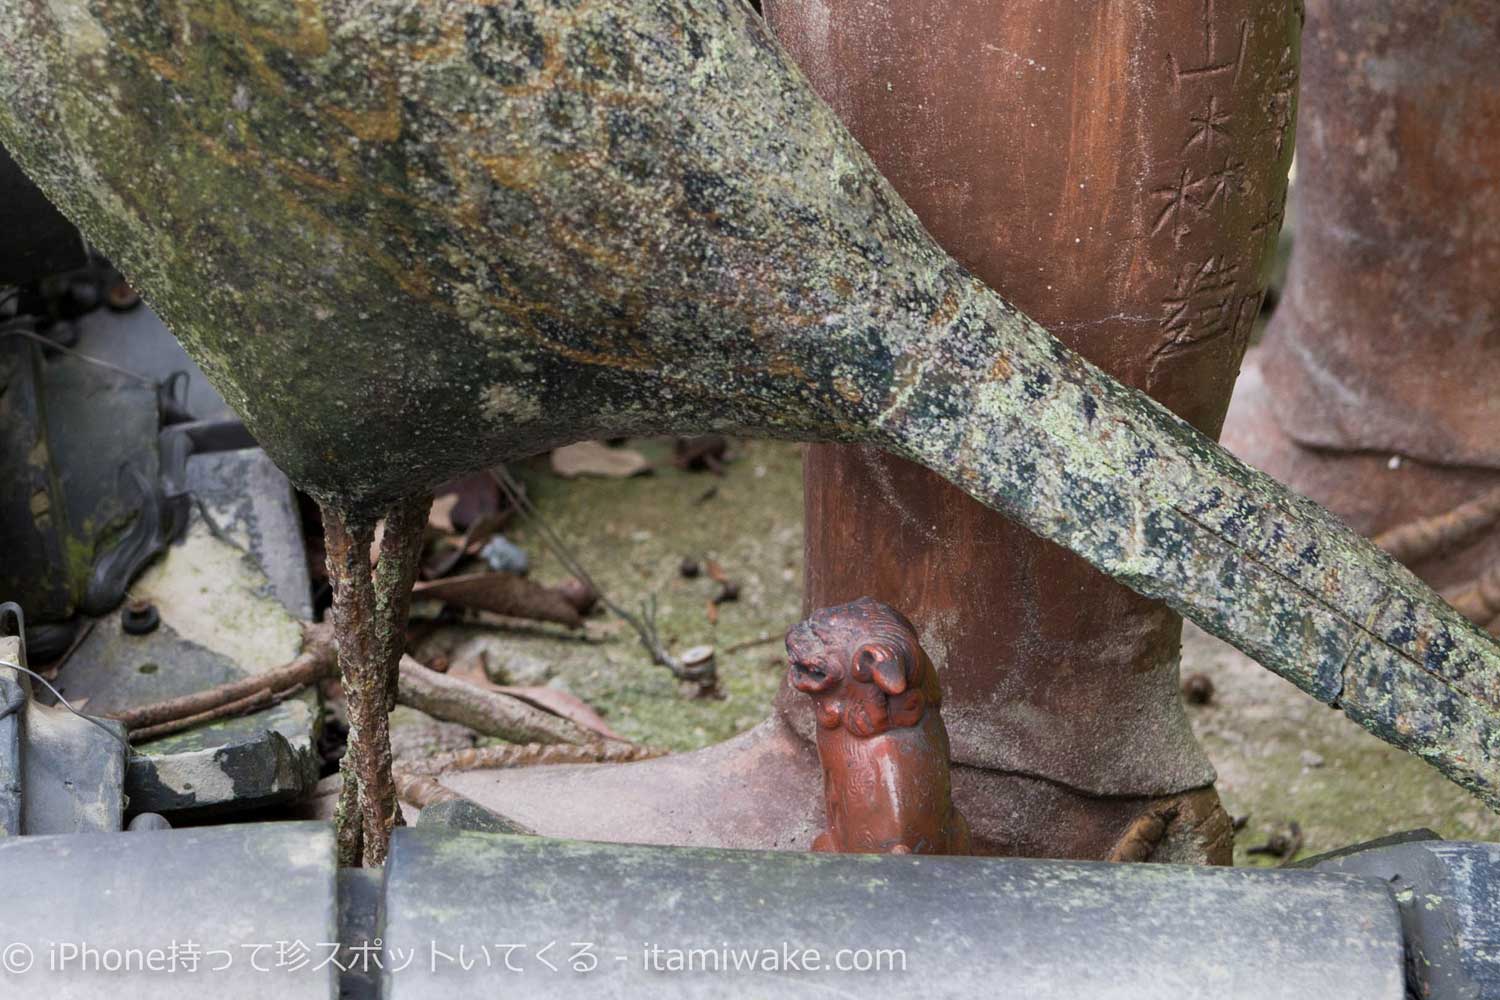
x: 863, y: 667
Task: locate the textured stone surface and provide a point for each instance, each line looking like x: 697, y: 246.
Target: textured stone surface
x: 219, y: 889
x: 221, y: 620
x: 967, y: 926
x: 498, y: 229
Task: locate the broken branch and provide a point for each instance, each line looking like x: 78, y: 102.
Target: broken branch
x: 263, y: 698
x: 487, y: 712
x: 1425, y: 537
x: 644, y: 626
x: 533, y: 755
x: 317, y: 661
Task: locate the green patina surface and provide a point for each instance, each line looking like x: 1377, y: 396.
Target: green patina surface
x: 407, y: 241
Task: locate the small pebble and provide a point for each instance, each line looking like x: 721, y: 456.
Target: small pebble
x: 1311, y: 759
x: 504, y: 556
x: 1197, y: 689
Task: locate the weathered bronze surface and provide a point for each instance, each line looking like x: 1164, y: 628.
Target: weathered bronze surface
x: 1387, y: 342
x: 1387, y: 338
x: 881, y: 739
x: 1118, y: 172
x: 407, y: 241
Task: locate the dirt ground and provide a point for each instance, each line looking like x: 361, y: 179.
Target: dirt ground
x: 1281, y: 756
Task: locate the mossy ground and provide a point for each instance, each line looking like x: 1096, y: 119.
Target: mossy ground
x: 1284, y: 757
x: 632, y: 535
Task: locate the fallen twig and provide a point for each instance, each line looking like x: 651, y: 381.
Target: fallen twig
x: 1282, y: 844
x: 533, y: 755
x: 55, y: 667
x: 492, y: 713
x: 1429, y: 536
x: 488, y: 712
x: 251, y: 703
x: 318, y: 660
x: 750, y: 643
x: 420, y: 790
x: 645, y: 626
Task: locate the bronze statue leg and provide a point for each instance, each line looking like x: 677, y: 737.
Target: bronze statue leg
x: 1374, y: 391
x: 1120, y: 178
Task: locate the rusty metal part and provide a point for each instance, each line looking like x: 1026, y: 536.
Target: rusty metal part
x: 139, y: 617
x: 881, y: 741
x: 1386, y: 338
x: 1142, y: 240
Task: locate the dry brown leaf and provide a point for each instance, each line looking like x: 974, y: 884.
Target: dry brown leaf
x: 594, y: 458
x: 440, y: 515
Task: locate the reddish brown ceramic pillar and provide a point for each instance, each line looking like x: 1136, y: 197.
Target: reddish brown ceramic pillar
x: 1375, y: 391
x: 1118, y: 171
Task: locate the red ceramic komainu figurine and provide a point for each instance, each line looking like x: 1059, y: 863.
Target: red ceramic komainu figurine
x: 880, y: 735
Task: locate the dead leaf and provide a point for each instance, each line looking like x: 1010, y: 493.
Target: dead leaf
x: 709, y: 451
x: 594, y: 458
x: 503, y: 594
x: 476, y: 496
x: 448, y: 552
x: 440, y: 514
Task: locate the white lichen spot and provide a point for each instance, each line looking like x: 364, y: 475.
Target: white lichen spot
x: 213, y: 595
x: 509, y: 405
x: 80, y: 33
x: 198, y: 775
